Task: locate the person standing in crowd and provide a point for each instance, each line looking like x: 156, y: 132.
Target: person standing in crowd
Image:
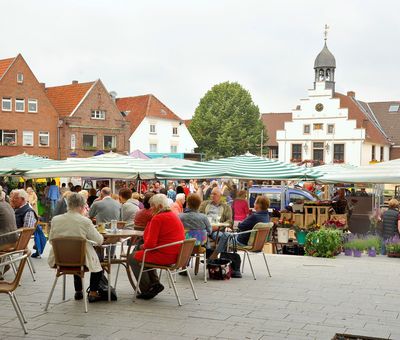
x: 74, y: 224
x: 156, y: 234
x: 3, y: 195
x: 240, y: 207
x: 216, y: 209
x: 136, y: 200
x: 92, y: 197
x: 157, y: 187
x: 62, y: 207
x: 171, y: 194
x: 207, y: 194
x: 53, y: 195
x: 129, y: 207
x: 106, y: 209
x: 63, y: 189
x: 165, y: 192
x: 25, y: 216
x: 186, y: 190
x: 32, y: 199
x: 390, y: 222
x: 177, y: 206
x: 144, y: 216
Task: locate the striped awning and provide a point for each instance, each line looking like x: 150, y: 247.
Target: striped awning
x: 241, y: 167
x: 18, y: 165
x: 110, y: 165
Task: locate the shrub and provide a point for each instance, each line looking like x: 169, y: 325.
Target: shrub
x: 323, y: 242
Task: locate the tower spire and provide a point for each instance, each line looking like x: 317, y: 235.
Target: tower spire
x: 326, y: 32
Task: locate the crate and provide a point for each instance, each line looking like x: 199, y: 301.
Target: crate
x: 341, y: 217
x: 322, y: 214
x: 269, y: 248
x: 298, y: 220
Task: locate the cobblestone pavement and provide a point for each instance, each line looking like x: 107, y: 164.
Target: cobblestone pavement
x: 306, y: 298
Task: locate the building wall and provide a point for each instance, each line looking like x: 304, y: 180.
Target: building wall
x: 44, y: 120
x: 356, y: 152
x: 81, y: 123
x: 163, y: 137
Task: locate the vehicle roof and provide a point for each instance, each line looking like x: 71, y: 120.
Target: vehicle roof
x: 265, y: 189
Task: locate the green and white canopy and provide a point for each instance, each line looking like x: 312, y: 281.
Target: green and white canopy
x: 110, y: 165
x: 381, y: 173
x: 18, y: 165
x: 241, y: 167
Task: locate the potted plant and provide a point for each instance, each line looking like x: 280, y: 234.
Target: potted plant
x: 335, y: 224
x: 323, y: 243
x: 283, y: 230
x: 373, y: 245
x: 358, y: 247
x: 393, y: 246
x: 348, y: 248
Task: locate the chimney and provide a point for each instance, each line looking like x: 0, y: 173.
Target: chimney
x: 43, y: 85
x: 351, y: 94
x: 75, y: 82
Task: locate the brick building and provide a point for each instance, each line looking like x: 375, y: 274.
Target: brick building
x: 90, y: 121
x: 28, y: 121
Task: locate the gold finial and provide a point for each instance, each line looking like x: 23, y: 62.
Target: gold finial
x: 326, y: 32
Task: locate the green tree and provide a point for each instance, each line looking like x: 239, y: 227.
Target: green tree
x: 227, y: 122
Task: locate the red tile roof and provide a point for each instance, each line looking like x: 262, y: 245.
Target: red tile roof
x: 4, y: 65
x: 139, y: 107
x: 372, y: 134
x: 187, y: 122
x: 66, y: 98
x: 390, y: 121
x: 274, y: 121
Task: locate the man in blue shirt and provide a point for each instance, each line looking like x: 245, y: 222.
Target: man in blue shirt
x: 261, y: 215
x: 53, y: 195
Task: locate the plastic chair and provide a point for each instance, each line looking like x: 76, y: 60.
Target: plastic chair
x: 259, y: 235
x: 25, y: 235
x: 199, y: 249
x: 180, y: 265
x: 69, y: 254
x: 9, y: 287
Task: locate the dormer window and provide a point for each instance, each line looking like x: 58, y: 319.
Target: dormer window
x: 163, y: 112
x: 394, y: 108
x: 20, y: 78
x: 98, y: 114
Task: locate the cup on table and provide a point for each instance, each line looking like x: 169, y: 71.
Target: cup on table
x: 101, y: 228
x: 114, y: 226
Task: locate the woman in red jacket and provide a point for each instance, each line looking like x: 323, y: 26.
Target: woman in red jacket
x: 165, y: 227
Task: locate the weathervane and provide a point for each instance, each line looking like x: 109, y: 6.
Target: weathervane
x: 326, y: 32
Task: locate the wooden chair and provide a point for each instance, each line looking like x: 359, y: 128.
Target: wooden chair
x: 180, y: 265
x: 25, y: 235
x: 258, y: 236
x: 69, y: 254
x: 9, y: 287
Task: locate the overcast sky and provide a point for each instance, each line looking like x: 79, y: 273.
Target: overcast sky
x: 178, y: 49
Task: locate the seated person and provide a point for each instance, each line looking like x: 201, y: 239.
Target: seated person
x: 177, y: 206
x: 143, y: 216
x: 193, y: 220
x: 215, y: 208
x: 74, y: 224
x: 129, y: 208
x: 261, y: 215
x: 165, y: 227
x: 25, y: 216
x: 7, y: 225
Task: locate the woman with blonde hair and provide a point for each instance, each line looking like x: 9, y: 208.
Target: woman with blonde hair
x: 85, y: 195
x: 32, y: 199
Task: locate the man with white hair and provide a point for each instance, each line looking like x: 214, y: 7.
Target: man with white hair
x: 215, y: 208
x: 177, y: 206
x: 25, y: 216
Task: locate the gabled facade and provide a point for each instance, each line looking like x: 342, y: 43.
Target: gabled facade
x: 328, y: 127
x: 28, y: 121
x: 90, y: 121
x: 154, y: 128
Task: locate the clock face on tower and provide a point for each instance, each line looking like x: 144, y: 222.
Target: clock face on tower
x: 319, y: 107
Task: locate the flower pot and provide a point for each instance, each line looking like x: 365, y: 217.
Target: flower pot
x: 393, y: 254
x: 301, y: 237
x: 356, y: 253
x: 348, y: 252
x: 371, y: 252
x: 283, y: 235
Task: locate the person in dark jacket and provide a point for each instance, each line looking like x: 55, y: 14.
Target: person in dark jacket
x: 25, y: 216
x: 391, y: 222
x: 7, y: 225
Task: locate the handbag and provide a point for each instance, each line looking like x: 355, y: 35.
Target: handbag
x: 103, y: 289
x: 219, y: 269
x: 235, y: 259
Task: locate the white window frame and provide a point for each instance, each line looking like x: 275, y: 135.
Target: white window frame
x: 6, y: 99
x: 33, y: 101
x: 174, y: 148
x: 153, y: 129
x: 94, y: 141
x: 19, y: 101
x: 113, y: 142
x: 31, y: 135
x: 333, y: 129
x: 98, y: 114
x: 44, y: 134
x: 15, y: 132
x: 156, y: 147
x: 20, y: 78
x: 304, y: 129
